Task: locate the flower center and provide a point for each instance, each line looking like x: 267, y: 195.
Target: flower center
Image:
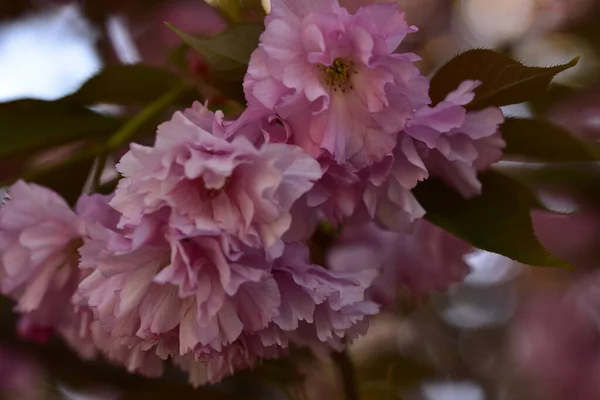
x: 337, y: 75
x: 211, y: 193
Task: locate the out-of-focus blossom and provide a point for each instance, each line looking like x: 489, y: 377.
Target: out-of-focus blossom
x: 154, y: 42
x: 426, y: 259
x: 557, y: 49
x: 495, y: 23
x: 39, y: 236
x: 574, y: 237
x: 213, y: 185
x: 333, y: 78
x: 555, y: 342
x: 22, y: 377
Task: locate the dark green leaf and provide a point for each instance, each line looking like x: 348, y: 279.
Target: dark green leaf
x: 542, y: 140
x: 282, y: 374
x: 498, y: 220
x: 27, y: 125
x: 236, y: 10
x: 124, y: 85
x: 178, y: 57
x: 65, y: 179
x: 227, y: 56
x: 228, y: 50
x: 69, y: 176
x: 230, y: 84
x: 503, y: 80
x: 231, y: 9
x: 582, y: 180
x: 555, y: 94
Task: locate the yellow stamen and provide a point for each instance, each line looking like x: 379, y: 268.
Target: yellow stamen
x: 337, y: 75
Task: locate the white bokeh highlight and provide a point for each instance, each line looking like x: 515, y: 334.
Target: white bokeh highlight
x: 46, y: 56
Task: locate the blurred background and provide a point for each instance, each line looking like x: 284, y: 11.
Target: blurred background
x: 510, y: 331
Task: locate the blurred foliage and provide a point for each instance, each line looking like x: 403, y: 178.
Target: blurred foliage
x: 124, y: 85
x: 543, y: 141
x: 28, y: 125
x: 498, y: 220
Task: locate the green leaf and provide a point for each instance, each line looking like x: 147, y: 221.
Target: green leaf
x: 503, y: 80
x: 227, y: 56
x: 237, y: 10
x: 555, y: 95
x: 228, y: 50
x: 282, y: 374
x: 542, y: 140
x: 178, y: 57
x: 27, y: 125
x: 124, y: 85
x: 582, y: 180
x: 232, y: 9
x: 65, y: 179
x: 68, y: 176
x: 498, y: 220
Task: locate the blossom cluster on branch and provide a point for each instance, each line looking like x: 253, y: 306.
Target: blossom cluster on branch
x: 201, y: 255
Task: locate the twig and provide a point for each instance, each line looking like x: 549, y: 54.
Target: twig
x: 347, y: 373
x: 131, y: 127
x: 98, y: 170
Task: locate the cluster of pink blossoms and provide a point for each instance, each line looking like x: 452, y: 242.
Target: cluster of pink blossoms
x: 200, y: 256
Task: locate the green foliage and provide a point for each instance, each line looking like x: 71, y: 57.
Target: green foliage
x: 555, y: 94
x: 227, y: 56
x: 582, y: 180
x: 235, y: 10
x: 28, y: 125
x: 385, y: 376
x: 227, y: 51
x: 67, y: 179
x: 32, y: 127
x: 282, y: 374
x: 124, y: 85
x: 503, y: 80
x: 498, y: 220
x: 542, y: 140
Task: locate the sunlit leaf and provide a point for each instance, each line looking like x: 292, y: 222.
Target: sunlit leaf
x: 503, y: 80
x: 542, y: 140
x: 498, y: 220
x: 124, y: 85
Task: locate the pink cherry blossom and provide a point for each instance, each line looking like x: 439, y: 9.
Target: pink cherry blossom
x: 426, y: 259
x: 455, y: 144
x: 39, y: 236
x: 555, y: 342
x: 210, y: 299
x: 213, y: 185
x: 333, y: 77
